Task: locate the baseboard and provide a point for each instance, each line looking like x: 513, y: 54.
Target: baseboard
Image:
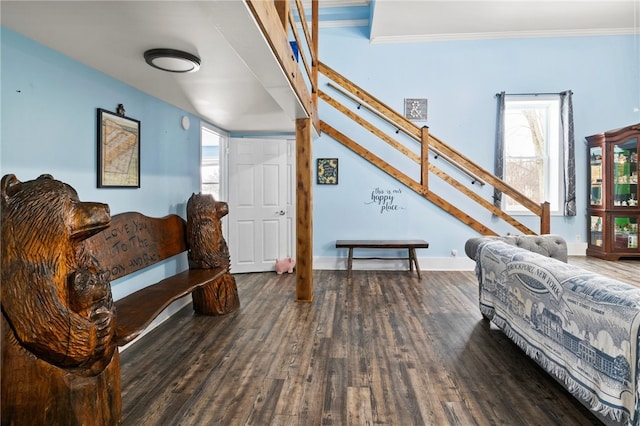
x: 576, y: 249
x: 457, y: 263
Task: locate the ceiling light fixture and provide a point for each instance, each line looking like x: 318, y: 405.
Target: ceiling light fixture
x: 172, y: 60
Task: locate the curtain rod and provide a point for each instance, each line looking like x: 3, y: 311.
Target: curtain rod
x: 534, y: 94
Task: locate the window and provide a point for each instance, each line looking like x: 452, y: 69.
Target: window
x: 532, y: 151
x: 210, y: 162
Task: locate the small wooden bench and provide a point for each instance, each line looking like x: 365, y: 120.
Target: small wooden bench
x: 409, y: 245
x: 134, y: 242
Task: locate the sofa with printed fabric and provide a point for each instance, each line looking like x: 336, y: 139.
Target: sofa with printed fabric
x: 581, y: 327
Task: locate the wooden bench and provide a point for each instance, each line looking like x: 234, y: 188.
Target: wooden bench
x: 409, y: 245
x: 134, y: 242
x: 60, y: 328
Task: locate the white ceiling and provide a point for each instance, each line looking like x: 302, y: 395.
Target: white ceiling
x: 430, y: 20
x: 239, y: 86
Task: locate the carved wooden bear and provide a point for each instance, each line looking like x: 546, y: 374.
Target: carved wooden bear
x: 59, y: 359
x: 208, y: 249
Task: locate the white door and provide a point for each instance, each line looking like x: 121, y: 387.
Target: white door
x: 261, y: 200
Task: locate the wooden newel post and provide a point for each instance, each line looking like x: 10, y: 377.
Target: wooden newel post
x: 208, y: 249
x: 545, y: 218
x: 424, y: 160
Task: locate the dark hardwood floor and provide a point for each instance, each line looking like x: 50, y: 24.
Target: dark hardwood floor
x: 383, y: 348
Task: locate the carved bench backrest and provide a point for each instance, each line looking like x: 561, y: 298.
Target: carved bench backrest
x: 135, y: 241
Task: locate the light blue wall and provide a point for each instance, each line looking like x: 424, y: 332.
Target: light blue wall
x: 49, y: 123
x: 460, y: 80
x: 49, y: 104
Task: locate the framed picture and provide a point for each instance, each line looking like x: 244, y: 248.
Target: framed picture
x: 118, y: 151
x: 327, y: 171
x: 415, y: 109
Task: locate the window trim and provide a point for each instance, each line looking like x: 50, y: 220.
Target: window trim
x: 552, y: 165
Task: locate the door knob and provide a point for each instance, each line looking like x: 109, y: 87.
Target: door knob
x: 281, y: 212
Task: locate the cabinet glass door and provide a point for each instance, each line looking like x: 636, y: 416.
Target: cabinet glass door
x: 595, y: 231
x: 625, y: 231
x: 625, y: 174
x: 595, y: 175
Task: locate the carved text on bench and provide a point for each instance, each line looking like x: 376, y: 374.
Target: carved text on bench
x: 127, y: 237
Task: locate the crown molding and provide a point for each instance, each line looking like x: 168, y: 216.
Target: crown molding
x: 502, y: 35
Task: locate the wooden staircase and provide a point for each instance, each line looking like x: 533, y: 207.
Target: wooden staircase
x: 429, y: 144
x: 278, y: 21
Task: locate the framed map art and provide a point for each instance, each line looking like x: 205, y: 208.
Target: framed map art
x: 118, y: 151
x: 327, y: 171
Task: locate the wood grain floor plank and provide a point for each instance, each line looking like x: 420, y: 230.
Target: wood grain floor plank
x: 380, y: 348
x: 359, y: 406
x: 334, y: 408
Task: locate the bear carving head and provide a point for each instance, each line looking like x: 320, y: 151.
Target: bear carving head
x: 55, y: 297
x: 207, y: 247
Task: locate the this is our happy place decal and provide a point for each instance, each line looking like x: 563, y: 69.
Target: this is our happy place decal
x: 386, y: 200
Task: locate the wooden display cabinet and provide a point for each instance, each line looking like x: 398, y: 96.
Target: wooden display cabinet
x: 613, y: 213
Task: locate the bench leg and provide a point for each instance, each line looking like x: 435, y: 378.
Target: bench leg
x: 350, y: 262
x: 411, y: 258
x: 217, y: 298
x: 414, y: 258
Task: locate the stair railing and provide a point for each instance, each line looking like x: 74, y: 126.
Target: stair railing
x: 278, y: 24
x: 437, y: 154
x: 429, y: 144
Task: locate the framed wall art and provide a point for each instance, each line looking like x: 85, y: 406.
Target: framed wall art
x: 118, y: 151
x: 327, y: 171
x: 415, y: 109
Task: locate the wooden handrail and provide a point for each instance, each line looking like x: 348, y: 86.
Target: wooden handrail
x: 411, y: 129
x: 272, y: 18
x: 268, y: 20
x: 302, y: 53
x: 364, y: 123
x: 412, y: 135
x: 489, y: 177
x: 454, y: 157
x: 430, y: 167
x: 303, y: 21
x: 404, y: 179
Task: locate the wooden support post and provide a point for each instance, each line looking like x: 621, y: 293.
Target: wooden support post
x: 545, y: 218
x: 304, y: 211
x: 424, y: 160
x: 282, y: 7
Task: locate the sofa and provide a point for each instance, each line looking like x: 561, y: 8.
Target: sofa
x: 581, y: 327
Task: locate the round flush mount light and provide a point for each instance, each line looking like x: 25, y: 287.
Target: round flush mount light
x: 172, y: 60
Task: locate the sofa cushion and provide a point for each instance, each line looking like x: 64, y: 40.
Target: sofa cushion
x: 549, y: 245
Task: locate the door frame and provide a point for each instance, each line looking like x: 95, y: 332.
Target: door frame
x: 290, y: 163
